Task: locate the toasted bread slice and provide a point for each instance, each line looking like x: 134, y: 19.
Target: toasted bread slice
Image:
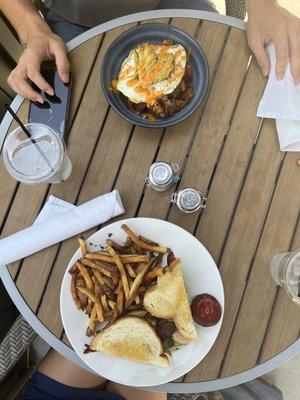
x: 134, y: 339
x: 168, y: 300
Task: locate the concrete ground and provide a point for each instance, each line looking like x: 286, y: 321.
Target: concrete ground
x: 292, y: 5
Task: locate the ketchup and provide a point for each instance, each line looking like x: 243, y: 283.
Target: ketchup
x: 206, y: 310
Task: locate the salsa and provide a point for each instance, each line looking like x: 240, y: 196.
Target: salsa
x: 206, y: 310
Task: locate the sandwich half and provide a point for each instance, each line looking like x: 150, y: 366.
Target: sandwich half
x: 131, y: 338
x: 168, y: 300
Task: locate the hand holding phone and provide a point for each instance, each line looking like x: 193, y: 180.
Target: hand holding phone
x: 54, y: 111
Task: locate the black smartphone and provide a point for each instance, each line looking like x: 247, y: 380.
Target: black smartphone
x: 54, y: 111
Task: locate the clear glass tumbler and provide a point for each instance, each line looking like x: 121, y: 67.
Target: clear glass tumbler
x: 285, y: 270
x: 39, y: 159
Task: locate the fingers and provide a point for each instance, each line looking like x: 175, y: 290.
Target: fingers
x: 36, y: 77
x: 258, y: 48
x: 282, y: 56
x: 61, y: 59
x: 294, y: 44
x: 17, y: 80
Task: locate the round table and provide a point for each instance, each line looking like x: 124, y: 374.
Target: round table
x: 224, y: 150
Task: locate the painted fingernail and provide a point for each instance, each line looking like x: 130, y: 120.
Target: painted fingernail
x: 39, y: 100
x: 66, y: 77
x: 50, y: 92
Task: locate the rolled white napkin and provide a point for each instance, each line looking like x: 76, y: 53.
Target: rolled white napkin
x: 58, y: 221
x: 281, y: 101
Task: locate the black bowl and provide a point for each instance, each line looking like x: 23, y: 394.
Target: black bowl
x: 153, y: 33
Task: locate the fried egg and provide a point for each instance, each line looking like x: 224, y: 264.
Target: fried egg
x: 151, y: 71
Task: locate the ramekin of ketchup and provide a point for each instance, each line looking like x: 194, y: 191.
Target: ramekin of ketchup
x: 206, y: 310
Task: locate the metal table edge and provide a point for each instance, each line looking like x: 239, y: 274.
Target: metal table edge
x: 34, y: 321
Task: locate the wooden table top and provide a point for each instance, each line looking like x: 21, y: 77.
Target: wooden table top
x: 226, y: 151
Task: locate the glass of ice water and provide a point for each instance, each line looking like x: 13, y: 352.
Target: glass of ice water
x: 41, y: 158
x: 285, y: 270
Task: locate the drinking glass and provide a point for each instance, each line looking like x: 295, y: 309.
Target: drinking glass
x: 285, y: 270
x: 39, y: 158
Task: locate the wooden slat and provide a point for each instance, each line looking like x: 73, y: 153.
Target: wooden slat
x: 277, y: 235
x: 242, y: 240
x: 214, y: 123
x: 156, y: 21
x: 81, y: 143
x: 284, y: 325
x: 8, y: 184
x: 65, y: 339
x: 177, y: 139
x: 232, y: 166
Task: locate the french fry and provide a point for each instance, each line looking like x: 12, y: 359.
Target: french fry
x: 125, y: 258
x: 108, y: 282
x: 88, y: 309
x: 112, y: 304
x: 104, y: 303
x: 97, y: 289
x: 121, y: 269
x: 103, y: 298
x: 137, y: 299
x: 88, y: 293
x: 109, y: 292
x: 91, y: 326
x: 136, y: 283
x: 100, y: 311
x: 99, y: 277
x: 130, y: 271
x: 82, y: 245
x: 158, y: 271
x: 143, y: 245
x: 148, y: 241
x: 139, y: 268
x: 170, y: 258
x: 80, y: 282
x: 110, y: 267
x: 120, y: 298
x: 74, y: 293
x: 86, y: 275
x: 155, y: 261
x: 97, y: 304
x: 123, y: 249
x: 73, y: 269
x: 108, y: 314
x: 91, y: 264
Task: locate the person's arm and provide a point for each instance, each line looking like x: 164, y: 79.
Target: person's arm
x: 40, y: 45
x: 267, y: 22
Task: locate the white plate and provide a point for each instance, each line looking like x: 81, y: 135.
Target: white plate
x: 200, y: 275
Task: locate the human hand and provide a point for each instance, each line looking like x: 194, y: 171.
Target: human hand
x: 267, y: 22
x: 40, y: 46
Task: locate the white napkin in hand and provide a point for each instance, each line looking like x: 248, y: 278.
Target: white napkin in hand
x: 58, y: 221
x: 281, y: 100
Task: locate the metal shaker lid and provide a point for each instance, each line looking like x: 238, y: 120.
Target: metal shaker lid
x: 190, y: 200
x: 160, y: 173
